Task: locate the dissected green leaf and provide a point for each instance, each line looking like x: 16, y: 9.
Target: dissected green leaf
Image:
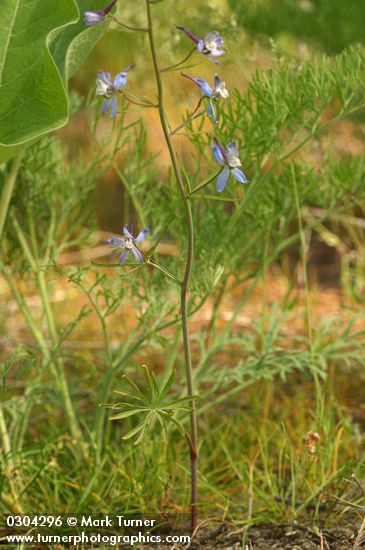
x: 136, y: 430
x: 126, y: 414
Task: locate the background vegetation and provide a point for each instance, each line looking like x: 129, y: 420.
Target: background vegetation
x: 278, y: 299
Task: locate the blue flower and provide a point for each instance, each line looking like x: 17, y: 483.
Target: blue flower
x: 209, y: 46
x: 219, y: 91
x: 229, y: 159
x: 109, y: 88
x: 92, y: 18
x: 128, y: 244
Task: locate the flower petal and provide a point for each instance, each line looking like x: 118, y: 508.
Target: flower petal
x: 212, y: 43
x: 217, y: 153
x: 113, y: 101
x: 211, y: 112
x: 232, y: 148
x: 123, y: 256
x: 141, y: 235
x: 105, y: 77
x: 220, y: 87
x: 126, y: 232
x: 217, y: 52
x: 214, y: 38
x: 92, y: 18
x: 200, y: 45
x: 136, y: 253
x: 204, y: 86
x: 116, y: 242
x: 217, y: 81
x: 239, y: 175
x: 222, y: 179
x: 105, y: 106
x: 120, y: 80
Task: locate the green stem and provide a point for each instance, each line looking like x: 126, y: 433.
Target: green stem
x: 24, y: 309
x: 42, y: 288
x: 9, y: 466
x: 8, y: 190
x: 127, y: 27
x: 101, y: 412
x: 177, y: 65
x: 186, y: 122
x: 308, y: 309
x: 206, y: 182
x: 128, y: 188
x: 167, y: 273
x: 212, y: 197
x: 187, y: 275
x: 5, y: 439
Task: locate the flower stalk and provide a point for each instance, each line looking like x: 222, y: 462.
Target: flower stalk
x: 187, y: 273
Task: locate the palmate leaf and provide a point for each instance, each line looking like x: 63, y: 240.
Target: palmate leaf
x: 33, y: 96
x: 158, y: 405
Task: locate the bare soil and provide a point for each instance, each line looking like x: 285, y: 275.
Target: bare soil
x: 273, y: 537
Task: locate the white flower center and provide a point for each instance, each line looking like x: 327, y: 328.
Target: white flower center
x: 211, y: 45
x: 103, y: 88
x: 128, y: 243
x: 233, y: 161
x: 221, y: 90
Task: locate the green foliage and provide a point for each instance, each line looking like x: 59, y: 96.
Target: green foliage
x: 33, y: 96
x: 70, y: 47
x: 50, y: 192
x: 330, y: 25
x: 153, y: 404
x: 282, y: 117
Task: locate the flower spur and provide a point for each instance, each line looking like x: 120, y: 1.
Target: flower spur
x: 92, y: 18
x: 219, y: 91
x: 229, y: 159
x: 209, y: 46
x: 128, y: 244
x: 108, y: 88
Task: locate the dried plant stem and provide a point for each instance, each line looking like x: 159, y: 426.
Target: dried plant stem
x: 360, y: 536
x: 187, y: 275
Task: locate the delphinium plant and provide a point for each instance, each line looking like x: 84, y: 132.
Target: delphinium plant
x: 212, y: 47
x: 239, y: 231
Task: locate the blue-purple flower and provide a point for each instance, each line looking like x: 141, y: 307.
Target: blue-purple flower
x: 128, y: 244
x: 219, y: 91
x: 92, y: 18
x: 209, y: 46
x: 108, y: 88
x: 229, y: 159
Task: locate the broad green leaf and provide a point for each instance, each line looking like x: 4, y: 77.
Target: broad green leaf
x: 73, y: 44
x: 33, y: 96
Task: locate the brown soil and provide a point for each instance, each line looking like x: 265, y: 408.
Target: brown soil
x: 272, y: 537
